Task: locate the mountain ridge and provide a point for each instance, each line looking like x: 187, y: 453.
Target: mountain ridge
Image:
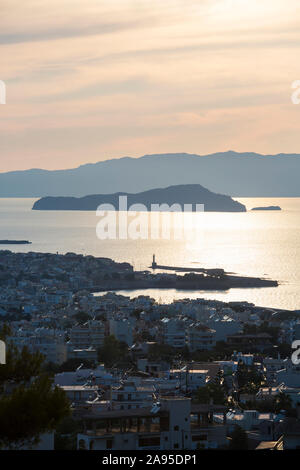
x: 238, y: 174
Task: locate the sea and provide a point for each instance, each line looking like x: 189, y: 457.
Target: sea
x: 254, y: 243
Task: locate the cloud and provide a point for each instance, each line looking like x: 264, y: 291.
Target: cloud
x: 66, y: 32
x: 94, y: 78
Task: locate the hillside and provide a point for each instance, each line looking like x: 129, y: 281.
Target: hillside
x: 235, y: 174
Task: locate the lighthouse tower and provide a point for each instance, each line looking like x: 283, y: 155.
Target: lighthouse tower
x: 154, y: 263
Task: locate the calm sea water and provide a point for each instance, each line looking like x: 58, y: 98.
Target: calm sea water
x: 253, y: 243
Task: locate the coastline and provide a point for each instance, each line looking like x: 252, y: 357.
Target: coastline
x: 226, y: 284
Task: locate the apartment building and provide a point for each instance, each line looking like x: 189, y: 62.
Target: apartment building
x: 172, y: 332
x: 90, y: 334
x: 122, y: 330
x: 130, y: 395
x: 171, y: 424
x: 199, y: 338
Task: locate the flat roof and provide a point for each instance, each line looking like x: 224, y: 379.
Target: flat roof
x: 115, y: 414
x: 146, y: 412
x: 79, y: 388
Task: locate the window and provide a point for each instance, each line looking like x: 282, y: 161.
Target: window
x: 176, y: 428
x: 164, y: 423
x: 109, y: 443
x: 176, y: 446
x: 201, y: 437
x: 82, y: 445
x: 149, y: 441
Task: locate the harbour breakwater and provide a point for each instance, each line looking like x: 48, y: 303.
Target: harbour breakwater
x: 186, y: 283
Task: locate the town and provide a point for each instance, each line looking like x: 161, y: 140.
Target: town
x: 143, y: 375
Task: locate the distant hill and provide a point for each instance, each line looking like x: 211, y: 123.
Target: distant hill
x: 182, y: 194
x: 267, y: 208
x: 235, y: 174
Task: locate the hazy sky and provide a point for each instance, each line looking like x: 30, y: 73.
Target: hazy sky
x: 96, y: 79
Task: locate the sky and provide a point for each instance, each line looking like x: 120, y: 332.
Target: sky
x: 98, y: 79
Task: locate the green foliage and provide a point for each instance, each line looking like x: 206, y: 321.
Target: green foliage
x: 137, y: 313
x: 282, y: 402
x: 72, y: 364
x: 66, y: 434
x: 20, y: 366
x: 212, y: 391
x: 162, y: 352
x: 272, y: 404
x: 81, y: 317
x: 284, y: 349
x: 263, y: 328
x: 221, y: 351
x: 113, y: 352
x: 29, y: 403
x: 248, y: 379
x: 5, y: 331
x: 143, y: 336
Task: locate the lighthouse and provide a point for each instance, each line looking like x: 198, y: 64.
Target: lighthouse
x: 154, y: 263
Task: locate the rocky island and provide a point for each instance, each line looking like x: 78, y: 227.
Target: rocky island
x: 181, y: 194
x: 267, y: 208
x: 14, y: 242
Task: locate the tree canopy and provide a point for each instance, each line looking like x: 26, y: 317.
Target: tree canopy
x: 30, y: 404
x: 212, y: 391
x: 113, y: 351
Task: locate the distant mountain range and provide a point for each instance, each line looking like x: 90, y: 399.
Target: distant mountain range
x: 231, y: 173
x: 182, y: 194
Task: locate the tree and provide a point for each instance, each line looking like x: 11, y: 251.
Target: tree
x: 5, y: 331
x: 113, y: 351
x: 81, y: 317
x: 162, y: 352
x: 262, y: 328
x: 20, y: 366
x: 66, y: 434
x: 73, y: 363
x: 282, y: 402
x: 212, y: 391
x: 248, y: 379
x: 29, y: 403
x: 239, y: 439
x: 142, y: 336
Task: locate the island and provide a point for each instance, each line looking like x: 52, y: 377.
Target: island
x: 15, y: 242
x: 153, y: 200
x: 267, y: 208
